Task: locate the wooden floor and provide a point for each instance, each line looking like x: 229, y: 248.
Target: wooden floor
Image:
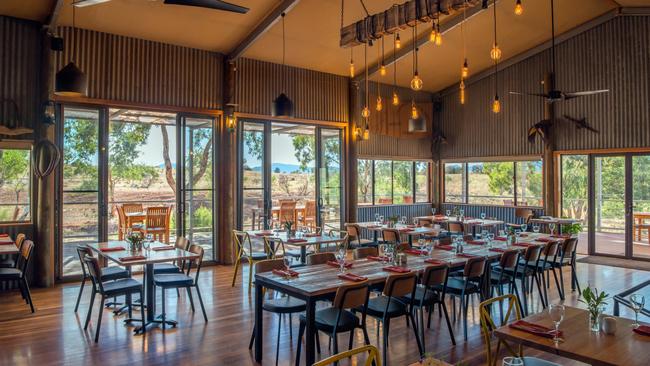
x: 55, y: 335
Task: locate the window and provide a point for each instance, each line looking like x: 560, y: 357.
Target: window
x: 15, y: 184
x: 385, y: 182
x: 508, y: 183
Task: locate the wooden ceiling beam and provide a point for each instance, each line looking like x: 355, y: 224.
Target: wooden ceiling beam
x: 424, y: 38
x: 53, y: 16
x: 266, y: 24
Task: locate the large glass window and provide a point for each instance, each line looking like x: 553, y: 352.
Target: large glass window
x: 15, y: 185
x: 364, y: 187
x: 421, y: 181
x: 385, y: 182
x: 507, y: 183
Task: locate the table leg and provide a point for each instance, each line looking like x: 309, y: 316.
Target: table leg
x: 375, y: 236
x: 303, y: 254
x: 310, y: 332
x: 254, y: 214
x: 149, y: 288
x: 259, y: 299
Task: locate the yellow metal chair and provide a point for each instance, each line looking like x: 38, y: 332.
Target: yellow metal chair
x: 373, y: 356
x: 513, y: 313
x: 244, y: 250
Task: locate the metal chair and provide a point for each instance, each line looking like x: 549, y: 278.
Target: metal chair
x: 12, y: 262
x: 527, y: 270
x: 18, y: 274
x: 354, y: 233
x: 567, y: 259
x: 108, y: 273
x: 181, y: 243
x: 244, y: 251
x: 373, y: 356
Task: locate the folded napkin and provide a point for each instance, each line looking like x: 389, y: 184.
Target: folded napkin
x: 132, y: 258
x: 4, y: 235
x: 563, y: 236
x: 312, y: 235
x: 112, y: 249
x: 338, y: 265
x: 166, y: 247
x: 7, y: 243
x: 535, y: 329
x: 415, y: 251
x: 296, y: 240
x: 373, y: 226
x: 475, y: 242
x: 543, y: 240
x: 499, y: 250
x: 396, y: 269
x: 285, y: 272
x: 445, y: 247
x: 467, y: 255
x: 523, y: 245
x: 377, y: 258
x: 501, y: 238
x: 264, y: 233
x: 434, y: 261
x: 642, y: 330
x: 352, y: 277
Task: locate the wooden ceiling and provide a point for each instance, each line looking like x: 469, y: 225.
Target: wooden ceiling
x: 312, y: 28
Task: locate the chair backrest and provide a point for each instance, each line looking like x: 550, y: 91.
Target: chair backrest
x: 310, y: 209
x: 287, y: 211
x: 532, y: 253
x: 196, y: 249
x: 391, y: 235
x: 569, y: 247
x: 351, y: 296
x: 360, y: 253
x: 95, y: 272
x: 345, y: 239
x: 26, y: 250
x: 524, y: 213
x: 372, y: 359
x: 353, y: 230
x: 157, y: 217
x: 455, y: 227
x: 268, y: 265
x: 320, y: 258
x: 509, y: 259
x: 20, y: 239
x: 132, y: 208
x: 82, y: 252
x: 435, y: 275
x: 488, y: 325
x: 551, y: 249
x: 242, y: 240
x: 468, y: 237
x: 182, y: 243
x: 475, y: 267
x: 425, y: 222
x: 121, y: 218
x: 402, y: 284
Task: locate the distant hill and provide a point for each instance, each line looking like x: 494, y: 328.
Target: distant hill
x: 283, y: 168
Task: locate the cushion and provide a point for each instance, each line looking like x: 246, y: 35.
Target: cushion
x: 377, y: 306
x: 173, y: 280
x: 159, y: 268
x: 113, y: 273
x: 455, y: 286
x: 284, y: 305
x: 257, y: 256
x: 422, y: 297
x: 326, y: 319
x: 12, y: 273
x: 121, y: 286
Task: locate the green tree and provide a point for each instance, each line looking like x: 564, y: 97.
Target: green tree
x: 125, y: 140
x: 500, y: 177
x: 14, y: 175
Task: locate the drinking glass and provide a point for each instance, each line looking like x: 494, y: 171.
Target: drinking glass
x: 429, y: 247
x: 556, y: 311
x: 638, y: 302
x: 421, y: 243
x: 340, y: 257
x: 415, y: 221
x: 461, y: 212
x: 381, y: 219
x: 377, y: 218
x: 287, y: 265
x: 269, y: 223
x: 146, y: 245
x: 484, y: 234
x: 502, y: 233
x: 483, y: 216
x: 404, y: 220
x: 448, y: 213
x: 382, y: 249
x: 490, y: 239
x: 524, y: 227
x: 513, y: 361
x: 517, y: 235
x: 551, y: 227
x: 536, y: 228
x: 433, y: 211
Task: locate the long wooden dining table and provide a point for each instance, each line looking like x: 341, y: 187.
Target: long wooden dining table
x: 151, y: 257
x: 471, y: 223
x: 310, y: 240
x: 408, y: 230
x: 624, y: 347
x: 319, y: 282
x: 7, y: 245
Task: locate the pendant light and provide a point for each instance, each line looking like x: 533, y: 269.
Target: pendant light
x: 395, y: 99
x: 464, y: 71
x: 436, y: 35
x: 416, y: 81
x: 519, y: 9
x: 495, y: 52
x: 496, y: 103
x: 417, y: 123
x: 70, y: 81
x: 282, y: 105
x: 351, y: 62
x: 462, y: 91
x: 365, y: 112
x: 398, y: 42
x: 382, y: 67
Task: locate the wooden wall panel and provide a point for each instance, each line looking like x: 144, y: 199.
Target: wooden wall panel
x: 316, y: 95
x: 20, y: 64
x: 614, y: 55
x: 133, y: 70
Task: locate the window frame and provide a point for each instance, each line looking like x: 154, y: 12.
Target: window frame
x: 465, y: 169
x: 413, y: 183
x: 23, y: 145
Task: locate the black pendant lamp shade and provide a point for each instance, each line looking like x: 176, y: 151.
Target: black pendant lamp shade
x: 282, y: 106
x: 71, y: 81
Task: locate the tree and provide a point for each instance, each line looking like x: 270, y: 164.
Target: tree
x: 305, y: 150
x: 500, y: 177
x: 574, y: 186
x: 14, y: 174
x: 364, y: 172
x: 81, y: 151
x: 125, y: 140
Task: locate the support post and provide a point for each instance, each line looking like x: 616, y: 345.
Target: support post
x: 549, y: 149
x: 352, y: 155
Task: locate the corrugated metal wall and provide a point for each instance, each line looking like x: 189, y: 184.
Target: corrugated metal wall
x: 614, y: 55
x: 133, y: 70
x: 367, y: 213
x: 506, y: 214
x: 316, y: 95
x: 20, y: 65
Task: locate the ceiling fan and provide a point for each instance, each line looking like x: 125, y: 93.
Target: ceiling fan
x: 556, y: 95
x: 209, y: 4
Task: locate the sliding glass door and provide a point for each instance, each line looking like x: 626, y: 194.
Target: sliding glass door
x: 329, y: 178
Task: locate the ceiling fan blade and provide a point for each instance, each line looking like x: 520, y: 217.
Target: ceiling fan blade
x: 530, y: 94
x: 572, y: 95
x: 210, y: 4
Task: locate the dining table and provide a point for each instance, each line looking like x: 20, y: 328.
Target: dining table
x: 559, y: 221
x: 470, y: 222
x: 118, y: 252
x: 580, y: 343
x: 408, y: 230
x: 319, y: 282
x: 298, y: 211
x: 7, y: 245
x: 303, y: 241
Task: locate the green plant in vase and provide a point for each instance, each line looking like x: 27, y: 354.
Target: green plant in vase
x: 392, y: 220
x: 135, y: 239
x: 595, y: 302
x: 572, y: 229
x: 288, y: 226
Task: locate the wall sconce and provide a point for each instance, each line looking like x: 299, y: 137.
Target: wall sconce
x: 48, y: 113
x: 231, y: 123
x: 358, y: 133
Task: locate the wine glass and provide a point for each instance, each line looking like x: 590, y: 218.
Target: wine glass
x: 483, y: 215
x: 433, y: 211
x: 502, y: 233
x: 551, y: 226
x: 513, y: 361
x: 383, y: 248
x: 490, y: 239
x: 638, y: 302
x: 381, y: 219
x: 340, y: 257
x: 448, y: 213
x: 524, y: 227
x: 556, y: 311
x: 421, y: 243
x: 484, y: 234
x: 404, y: 220
x: 415, y: 221
x: 461, y: 212
x: 287, y: 265
x: 517, y: 235
x: 429, y: 247
x: 536, y: 228
x: 377, y: 218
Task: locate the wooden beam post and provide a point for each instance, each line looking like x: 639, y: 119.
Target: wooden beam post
x: 352, y: 159
x: 549, y: 149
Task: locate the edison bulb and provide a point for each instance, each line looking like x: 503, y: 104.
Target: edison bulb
x: 496, y: 105
x: 438, y: 38
x: 414, y: 112
x: 395, y: 99
x: 365, y: 113
x: 462, y: 92
x: 380, y: 104
x: 464, y: 71
x: 495, y: 53
x: 351, y: 68
x: 519, y: 9
x: 433, y: 35
x: 382, y: 70
x: 366, y: 134
x: 398, y: 42
x: 416, y: 82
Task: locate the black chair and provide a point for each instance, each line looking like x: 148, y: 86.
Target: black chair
x: 338, y: 319
x: 121, y: 287
x: 281, y: 306
x: 502, y: 275
x: 108, y: 273
x: 426, y: 296
x: 567, y: 258
x: 527, y: 271
x: 12, y: 261
x: 545, y: 267
x: 393, y: 304
x: 182, y: 280
x: 19, y: 273
x: 160, y: 268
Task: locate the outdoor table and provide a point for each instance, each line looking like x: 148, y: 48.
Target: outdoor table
x: 275, y: 210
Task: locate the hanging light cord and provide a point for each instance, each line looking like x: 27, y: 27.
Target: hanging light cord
x: 284, y: 46
x: 73, y: 35
x: 496, y: 60
x: 394, y: 63
x: 415, y: 53
x: 364, y: 8
x: 553, y: 36
x: 495, y: 22
x: 365, y: 61
x: 462, y: 31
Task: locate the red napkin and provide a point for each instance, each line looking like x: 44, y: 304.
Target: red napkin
x: 352, y: 277
x: 132, y: 258
x: 113, y: 249
x: 445, y: 247
x: 563, y: 236
x: 312, y: 235
x: 467, y: 255
x: 434, y: 261
x: 285, y: 272
x: 373, y: 226
x: 7, y: 243
x: 523, y: 235
x: 338, y: 265
x: 642, y: 330
x: 166, y: 247
x: 295, y: 240
x: 499, y: 238
x: 4, y: 235
x: 264, y: 233
x: 414, y: 251
x: 499, y: 250
x: 396, y: 269
x: 535, y: 329
x: 475, y: 242
x: 377, y: 258
x: 522, y: 245
x: 543, y: 240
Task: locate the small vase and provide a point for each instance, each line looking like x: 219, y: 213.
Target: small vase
x: 594, y: 320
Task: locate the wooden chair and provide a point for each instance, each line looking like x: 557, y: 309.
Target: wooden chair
x: 12, y: 261
x: 320, y: 258
x: 425, y: 222
x: 525, y: 214
x: 158, y: 223
x: 244, y: 251
x: 501, y: 274
x: 18, y: 274
x: 287, y: 212
x: 513, y: 313
x: 361, y: 253
x: 354, y: 232
x: 373, y: 356
x: 344, y: 242
x: 134, y: 208
x: 455, y: 227
x: 310, y: 214
x: 545, y: 266
x: 527, y: 270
